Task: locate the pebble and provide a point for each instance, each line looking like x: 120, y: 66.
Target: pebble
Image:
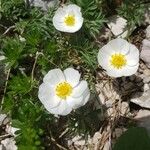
x: 44, y: 4
x: 9, y: 144
x: 118, y: 26
x: 146, y: 87
x: 118, y: 132
x: 102, y: 98
x: 148, y: 32
x: 146, y: 80
x: 142, y: 99
x: 143, y: 119
x: 145, y: 53
x: 124, y: 108
x: 4, y: 119
x: 146, y: 72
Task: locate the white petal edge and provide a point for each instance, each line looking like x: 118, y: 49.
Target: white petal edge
x: 72, y: 76
x: 113, y: 72
x: 79, y: 89
x: 62, y: 109
x: 103, y: 59
x: 53, y: 77
x: 132, y: 56
x: 73, y: 7
x: 47, y: 96
x: 86, y: 96
x: 76, y: 102
x: 119, y: 45
x: 130, y: 70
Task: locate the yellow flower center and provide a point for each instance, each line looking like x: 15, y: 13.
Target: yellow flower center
x: 70, y: 20
x: 63, y: 90
x: 118, y: 60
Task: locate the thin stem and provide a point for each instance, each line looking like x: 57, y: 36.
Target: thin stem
x: 8, y: 73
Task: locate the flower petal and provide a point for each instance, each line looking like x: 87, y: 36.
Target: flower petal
x: 74, y: 8
x: 76, y: 102
x: 62, y: 109
x: 79, y: 89
x: 103, y: 57
x: 53, y: 77
x: 72, y: 76
x: 47, y: 96
x: 130, y: 70
x: 114, y: 72
x: 86, y: 96
x: 119, y: 45
x: 132, y: 56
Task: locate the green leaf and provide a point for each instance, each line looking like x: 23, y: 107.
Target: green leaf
x: 133, y: 139
x: 20, y: 84
x: 12, y: 47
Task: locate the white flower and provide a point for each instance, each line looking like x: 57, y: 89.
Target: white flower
x: 68, y: 18
x: 61, y: 92
x: 119, y: 58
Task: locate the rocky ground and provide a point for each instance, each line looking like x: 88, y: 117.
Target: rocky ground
x: 124, y: 100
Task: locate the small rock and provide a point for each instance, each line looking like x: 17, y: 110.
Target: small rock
x: 124, y: 108
x: 3, y: 119
x: 146, y: 87
x: 145, y: 53
x: 107, y: 145
x: 118, y: 26
x: 146, y: 80
x: 148, y: 32
x: 11, y: 130
x: 109, y: 103
x: 102, y: 98
x: 142, y: 99
x: 110, y: 112
x: 95, y: 140
x: 44, y: 4
x: 146, y: 72
x: 96, y: 137
x: 9, y: 144
x: 147, y: 16
x: 118, y: 132
x: 143, y: 119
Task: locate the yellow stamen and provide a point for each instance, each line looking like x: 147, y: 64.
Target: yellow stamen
x: 63, y: 90
x: 70, y: 20
x: 118, y: 60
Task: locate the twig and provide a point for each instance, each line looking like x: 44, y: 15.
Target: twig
x: 8, y: 73
x: 33, y: 68
x: 64, y: 132
x: 4, y: 136
x: 58, y: 145
x: 8, y: 29
x: 36, y: 58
